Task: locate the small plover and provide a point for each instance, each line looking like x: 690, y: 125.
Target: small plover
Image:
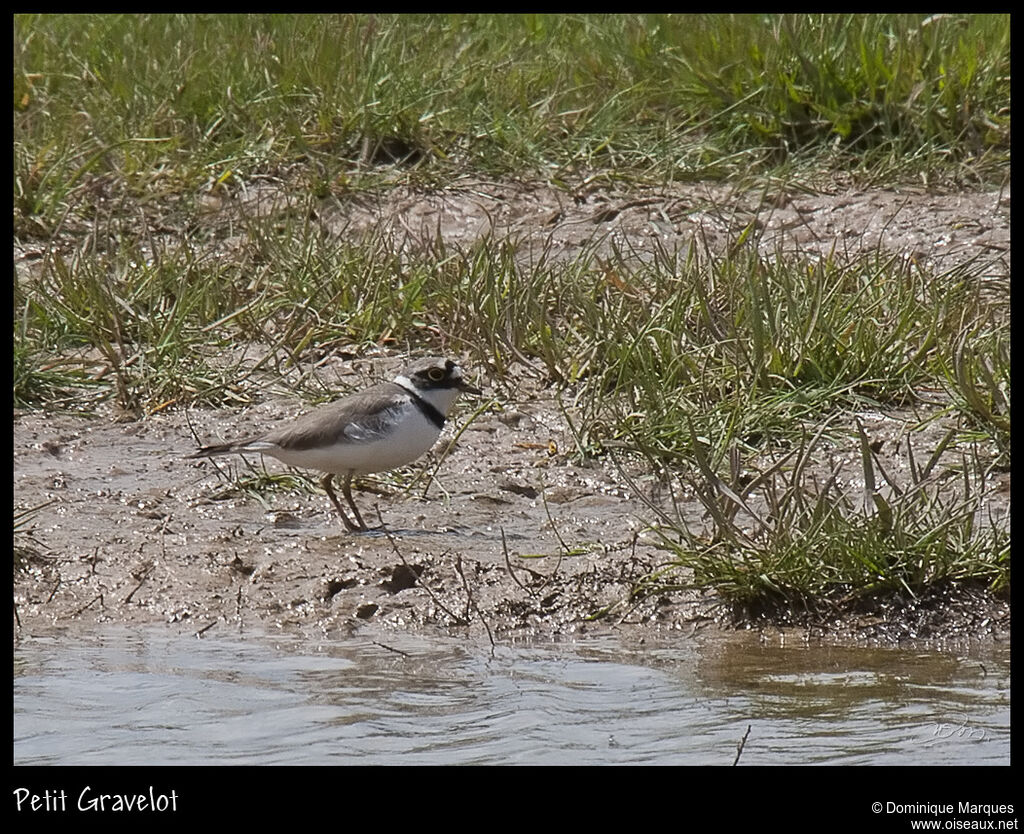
x: 380, y: 428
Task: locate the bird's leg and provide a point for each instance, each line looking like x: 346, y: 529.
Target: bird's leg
x: 325, y: 482
x: 346, y: 489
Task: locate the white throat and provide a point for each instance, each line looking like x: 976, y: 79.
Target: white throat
x: 441, y: 398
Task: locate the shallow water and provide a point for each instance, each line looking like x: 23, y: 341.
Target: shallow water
x: 148, y: 696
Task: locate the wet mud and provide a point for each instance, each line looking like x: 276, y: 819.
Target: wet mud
x: 508, y: 535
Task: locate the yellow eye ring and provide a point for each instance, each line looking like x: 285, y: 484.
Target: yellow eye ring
x: 435, y: 374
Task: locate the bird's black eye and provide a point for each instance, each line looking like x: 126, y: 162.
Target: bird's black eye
x: 435, y: 374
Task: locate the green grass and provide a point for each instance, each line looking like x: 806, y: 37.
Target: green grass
x: 127, y: 126
x: 159, y: 106
x: 799, y: 535
x: 642, y: 344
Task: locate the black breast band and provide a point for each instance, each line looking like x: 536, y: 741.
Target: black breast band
x: 428, y: 411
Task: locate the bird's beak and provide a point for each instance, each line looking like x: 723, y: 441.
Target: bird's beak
x: 468, y: 388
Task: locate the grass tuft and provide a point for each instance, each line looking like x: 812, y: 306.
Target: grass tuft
x: 799, y: 536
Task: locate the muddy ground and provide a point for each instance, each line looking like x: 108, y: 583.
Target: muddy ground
x: 512, y: 537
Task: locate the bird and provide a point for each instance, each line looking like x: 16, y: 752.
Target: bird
x: 379, y: 428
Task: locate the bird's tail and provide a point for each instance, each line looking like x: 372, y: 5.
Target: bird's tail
x: 214, y: 450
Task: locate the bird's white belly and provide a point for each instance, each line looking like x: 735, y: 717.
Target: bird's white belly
x: 411, y: 439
